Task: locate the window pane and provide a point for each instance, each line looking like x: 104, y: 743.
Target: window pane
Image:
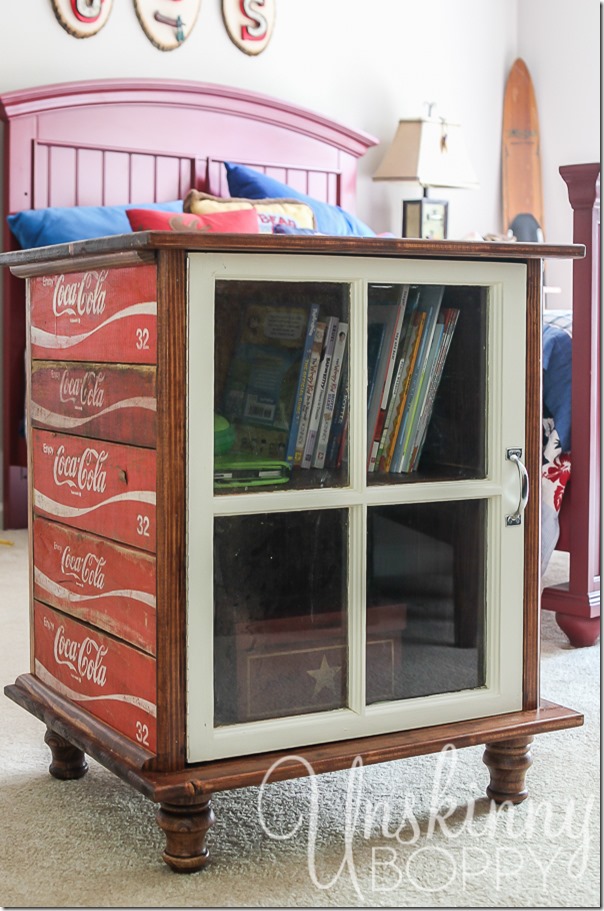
x: 281, y: 385
x: 280, y: 614
x: 426, y: 392
x: 425, y: 599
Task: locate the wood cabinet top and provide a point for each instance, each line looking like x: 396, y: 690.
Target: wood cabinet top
x: 143, y: 245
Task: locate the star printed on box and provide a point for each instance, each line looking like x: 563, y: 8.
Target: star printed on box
x: 325, y: 677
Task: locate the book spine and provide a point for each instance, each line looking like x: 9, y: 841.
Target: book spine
x: 420, y: 396
x: 302, y: 380
x: 331, y: 335
x: 386, y: 430
x: 340, y: 418
x: 450, y: 324
x: 335, y: 375
x: 431, y: 299
x: 416, y: 331
x: 385, y: 395
x: 309, y: 391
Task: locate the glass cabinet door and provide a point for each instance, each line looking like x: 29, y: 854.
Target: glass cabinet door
x: 350, y: 569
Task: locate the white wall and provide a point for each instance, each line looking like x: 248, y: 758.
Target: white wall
x: 368, y: 64
x: 560, y: 43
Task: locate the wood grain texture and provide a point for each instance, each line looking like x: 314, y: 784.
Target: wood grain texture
x: 96, y: 581
x: 104, y: 401
x: 102, y: 487
x: 110, y: 679
x: 408, y: 248
x: 532, y: 513
x: 171, y: 508
x: 127, y: 760
x: 95, y: 314
x: 520, y: 148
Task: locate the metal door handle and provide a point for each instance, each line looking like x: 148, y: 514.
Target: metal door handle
x: 514, y: 456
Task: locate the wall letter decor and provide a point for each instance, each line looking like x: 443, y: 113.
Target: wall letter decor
x: 167, y: 23
x: 82, y: 18
x: 249, y: 23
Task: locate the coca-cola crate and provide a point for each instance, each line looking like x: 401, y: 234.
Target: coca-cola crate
x: 102, y: 314
x: 97, y: 581
x: 106, y: 488
x: 113, y: 681
x: 104, y: 401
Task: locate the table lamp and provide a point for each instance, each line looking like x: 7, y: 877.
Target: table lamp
x: 429, y: 151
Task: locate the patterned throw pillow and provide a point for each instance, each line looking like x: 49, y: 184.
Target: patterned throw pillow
x: 271, y: 212
x: 236, y: 221
x: 248, y: 182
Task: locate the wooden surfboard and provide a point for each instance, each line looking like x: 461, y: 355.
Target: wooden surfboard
x: 520, y: 150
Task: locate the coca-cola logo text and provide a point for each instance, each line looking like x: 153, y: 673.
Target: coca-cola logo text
x: 84, y: 659
x: 86, y: 569
x: 81, y: 472
x: 85, y: 296
x: 84, y: 391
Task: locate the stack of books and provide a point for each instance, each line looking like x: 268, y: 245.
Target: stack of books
x: 408, y: 342
x: 287, y: 387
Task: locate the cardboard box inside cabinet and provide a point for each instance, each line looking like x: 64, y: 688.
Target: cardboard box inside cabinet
x: 113, y: 681
x: 96, y: 581
x: 100, y: 314
x: 299, y: 664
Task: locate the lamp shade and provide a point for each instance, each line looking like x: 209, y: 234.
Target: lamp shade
x: 429, y: 151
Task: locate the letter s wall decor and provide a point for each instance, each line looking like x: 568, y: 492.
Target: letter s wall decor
x: 249, y: 23
x: 82, y: 18
x: 167, y: 23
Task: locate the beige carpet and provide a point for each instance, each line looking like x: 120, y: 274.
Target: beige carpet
x: 94, y: 842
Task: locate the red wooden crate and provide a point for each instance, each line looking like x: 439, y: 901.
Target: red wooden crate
x: 105, y: 488
x: 104, y: 315
x: 113, y: 681
x: 97, y: 581
x: 108, y: 402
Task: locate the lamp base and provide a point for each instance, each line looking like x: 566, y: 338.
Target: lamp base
x: 425, y: 218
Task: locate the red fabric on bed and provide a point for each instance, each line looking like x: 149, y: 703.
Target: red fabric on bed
x: 238, y: 221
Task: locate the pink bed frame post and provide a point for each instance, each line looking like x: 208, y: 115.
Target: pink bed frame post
x: 577, y: 604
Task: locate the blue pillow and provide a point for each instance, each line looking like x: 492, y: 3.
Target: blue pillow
x: 557, y: 378
x: 60, y: 225
x: 250, y: 184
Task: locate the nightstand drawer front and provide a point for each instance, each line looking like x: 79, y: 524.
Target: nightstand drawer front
x: 104, y: 314
x: 94, y: 580
x: 113, y: 681
x: 108, y: 402
x: 105, y: 488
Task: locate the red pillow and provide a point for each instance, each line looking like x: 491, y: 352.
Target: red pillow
x: 236, y: 221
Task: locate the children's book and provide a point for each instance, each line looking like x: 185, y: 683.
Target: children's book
x: 429, y: 304
x: 309, y: 390
x: 331, y: 334
x: 393, y: 320
x: 302, y: 381
x: 263, y: 374
x: 333, y: 384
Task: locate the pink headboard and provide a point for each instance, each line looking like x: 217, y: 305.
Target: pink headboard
x: 110, y: 142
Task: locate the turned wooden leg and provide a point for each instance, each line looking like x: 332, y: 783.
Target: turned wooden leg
x: 186, y: 824
x: 508, y: 763
x: 67, y: 761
